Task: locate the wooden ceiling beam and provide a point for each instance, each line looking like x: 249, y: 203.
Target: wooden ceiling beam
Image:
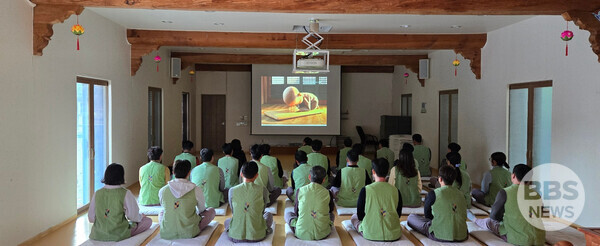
x: 421, y: 7
x: 585, y: 20
x: 44, y: 17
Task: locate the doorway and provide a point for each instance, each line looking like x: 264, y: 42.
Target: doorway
x: 448, y: 117
x: 154, y: 117
x: 213, y: 121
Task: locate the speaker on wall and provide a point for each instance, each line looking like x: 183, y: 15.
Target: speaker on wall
x: 423, y: 68
x: 175, y: 67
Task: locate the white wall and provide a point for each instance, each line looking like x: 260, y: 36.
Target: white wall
x: 38, y: 108
x: 527, y: 51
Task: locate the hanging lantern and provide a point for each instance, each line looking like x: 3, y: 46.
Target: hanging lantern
x: 456, y: 63
x: 192, y: 72
x: 78, y: 30
x: 406, y: 78
x: 566, y: 36
x: 157, y: 59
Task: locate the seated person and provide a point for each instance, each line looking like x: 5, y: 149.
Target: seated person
x: 230, y: 167
x: 184, y: 215
x: 494, y: 180
x: 299, y: 175
x: 423, y: 155
x: 385, y: 152
x: 379, y: 207
x: 313, y: 216
x: 407, y: 179
x: 299, y: 101
x: 463, y: 179
x: 506, y: 220
x: 349, y: 181
x: 363, y: 161
x: 210, y: 179
x: 153, y: 176
x: 274, y: 164
x: 249, y: 221
x: 445, y: 211
x: 306, y: 145
x: 454, y: 147
x: 238, y: 153
x: 315, y: 158
x: 340, y: 159
x: 265, y: 176
x: 186, y: 154
x: 113, y: 209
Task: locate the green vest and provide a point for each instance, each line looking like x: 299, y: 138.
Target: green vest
x: 423, y: 156
x: 465, y: 188
x: 300, y: 175
x: 381, y: 221
x: 500, y: 180
x: 271, y: 162
x: 318, y: 159
x: 342, y: 157
x: 263, y: 175
x: 449, y: 215
x: 247, y: 222
x: 306, y: 148
x: 180, y: 219
x: 517, y: 230
x: 207, y: 177
x: 353, y: 179
x: 230, y: 166
x: 387, y: 154
x: 313, y: 222
x: 366, y: 164
x: 409, y: 189
x: 152, y: 178
x: 110, y: 224
x: 187, y: 156
x: 463, y: 165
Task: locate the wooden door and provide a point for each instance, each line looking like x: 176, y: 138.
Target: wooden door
x: 213, y: 122
x: 448, y: 121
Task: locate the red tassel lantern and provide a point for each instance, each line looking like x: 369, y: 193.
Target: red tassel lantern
x: 157, y: 59
x: 566, y: 36
x: 78, y: 30
x: 456, y: 63
x: 406, y: 78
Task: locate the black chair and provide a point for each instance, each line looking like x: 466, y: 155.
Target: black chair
x: 367, y: 139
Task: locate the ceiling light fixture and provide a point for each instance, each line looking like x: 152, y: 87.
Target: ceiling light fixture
x: 405, y: 26
x: 167, y: 21
x: 456, y: 26
x: 219, y: 24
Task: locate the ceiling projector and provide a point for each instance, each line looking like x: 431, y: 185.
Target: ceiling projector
x: 310, y: 63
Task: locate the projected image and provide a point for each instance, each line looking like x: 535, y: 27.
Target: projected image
x: 294, y: 101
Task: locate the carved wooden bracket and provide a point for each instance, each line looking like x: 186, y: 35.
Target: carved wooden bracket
x: 137, y: 52
x: 586, y: 21
x: 414, y: 67
x: 474, y: 55
x: 44, y: 16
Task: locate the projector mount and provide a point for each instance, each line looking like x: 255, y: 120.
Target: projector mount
x: 311, y: 60
x: 313, y: 29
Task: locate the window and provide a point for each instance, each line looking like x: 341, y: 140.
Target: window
x: 309, y: 80
x: 185, y: 112
x: 406, y: 105
x: 277, y: 80
x: 293, y: 80
x: 154, y: 117
x: 322, y: 80
x: 530, y: 123
x: 92, y: 137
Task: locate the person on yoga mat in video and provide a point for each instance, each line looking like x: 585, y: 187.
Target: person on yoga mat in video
x: 185, y: 214
x: 506, y: 220
x: 445, y: 218
x: 379, y: 207
x: 299, y: 101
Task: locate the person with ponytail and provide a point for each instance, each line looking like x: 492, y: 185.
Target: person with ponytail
x: 494, y: 180
x: 463, y: 180
x: 406, y: 178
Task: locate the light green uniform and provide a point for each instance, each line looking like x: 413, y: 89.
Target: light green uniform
x: 318, y: 159
x: 465, y: 188
x: 208, y: 177
x: 387, y: 154
x: 423, y: 155
x: 263, y: 176
x: 500, y: 180
x: 313, y: 222
x: 449, y: 215
x: 409, y: 188
x: 381, y: 221
x: 152, y: 178
x: 517, y: 230
x: 342, y: 157
x: 180, y: 219
x: 353, y: 180
x: 271, y: 162
x: 248, y: 205
x: 187, y: 156
x: 229, y: 165
x: 306, y: 148
x: 110, y: 224
x: 366, y: 164
x: 300, y: 176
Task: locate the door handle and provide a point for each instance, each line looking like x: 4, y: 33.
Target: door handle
x: 223, y: 123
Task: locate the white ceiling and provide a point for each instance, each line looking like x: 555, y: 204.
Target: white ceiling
x: 283, y: 22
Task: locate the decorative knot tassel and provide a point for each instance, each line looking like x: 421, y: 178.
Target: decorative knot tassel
x: 77, y: 42
x: 567, y: 50
x: 157, y: 67
x: 455, y: 73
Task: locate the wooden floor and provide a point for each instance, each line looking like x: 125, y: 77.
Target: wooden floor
x: 77, y: 231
